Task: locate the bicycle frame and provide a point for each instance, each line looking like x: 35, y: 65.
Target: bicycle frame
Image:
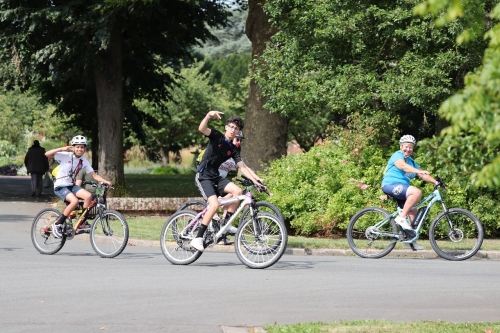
x: 245, y: 199
x: 430, y: 200
x: 99, y: 201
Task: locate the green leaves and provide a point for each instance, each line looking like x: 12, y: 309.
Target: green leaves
x: 336, y: 57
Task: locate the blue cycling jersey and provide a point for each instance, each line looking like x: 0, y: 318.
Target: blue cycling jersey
x: 393, y: 175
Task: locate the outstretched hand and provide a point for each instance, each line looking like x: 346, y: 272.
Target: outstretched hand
x: 215, y: 114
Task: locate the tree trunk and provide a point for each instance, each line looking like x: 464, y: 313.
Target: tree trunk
x: 108, y: 81
x: 265, y: 132
x: 95, y: 145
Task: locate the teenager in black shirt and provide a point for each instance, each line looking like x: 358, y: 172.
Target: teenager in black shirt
x: 209, y: 182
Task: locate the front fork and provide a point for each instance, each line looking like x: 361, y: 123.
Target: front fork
x: 256, y: 225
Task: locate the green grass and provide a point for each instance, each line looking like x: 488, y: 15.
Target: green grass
x: 145, y: 227
x: 150, y: 228
x: 382, y: 326
x: 161, y: 186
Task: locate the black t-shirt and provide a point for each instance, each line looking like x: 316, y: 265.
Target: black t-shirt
x: 218, y: 151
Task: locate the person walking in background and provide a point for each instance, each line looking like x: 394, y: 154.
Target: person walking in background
x: 36, y: 165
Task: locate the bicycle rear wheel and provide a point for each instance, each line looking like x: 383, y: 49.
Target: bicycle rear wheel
x: 262, y: 244
x: 458, y: 238
x: 196, y: 205
x: 367, y: 241
x: 41, y: 232
x: 109, y: 234
x: 174, y: 245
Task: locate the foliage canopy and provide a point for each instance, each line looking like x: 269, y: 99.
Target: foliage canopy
x: 335, y: 57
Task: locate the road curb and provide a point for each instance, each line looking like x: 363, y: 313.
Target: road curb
x: 242, y: 329
x: 425, y: 254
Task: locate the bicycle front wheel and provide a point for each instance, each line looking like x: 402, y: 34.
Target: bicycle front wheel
x: 175, y: 238
x: 456, y: 235
x: 264, y: 207
x: 368, y: 241
x: 261, y: 244
x: 109, y: 234
x: 41, y: 232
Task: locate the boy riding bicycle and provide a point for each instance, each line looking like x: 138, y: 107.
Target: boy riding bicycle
x: 209, y: 182
x: 71, y: 161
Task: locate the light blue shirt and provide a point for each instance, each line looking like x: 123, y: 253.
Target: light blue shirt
x: 393, y: 175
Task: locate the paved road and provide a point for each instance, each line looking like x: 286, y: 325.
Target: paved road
x: 140, y: 291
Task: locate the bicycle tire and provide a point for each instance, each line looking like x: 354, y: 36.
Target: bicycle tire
x: 461, y: 242
x: 260, y: 206
x: 41, y: 232
x: 109, y: 235
x: 175, y: 247
x: 256, y: 251
x: 363, y: 241
x: 195, y: 205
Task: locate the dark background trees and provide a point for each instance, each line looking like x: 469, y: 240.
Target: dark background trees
x: 63, y: 50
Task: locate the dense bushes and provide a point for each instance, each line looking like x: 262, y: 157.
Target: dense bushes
x: 319, y: 191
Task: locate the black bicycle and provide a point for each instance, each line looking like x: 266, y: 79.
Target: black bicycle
x: 108, y: 233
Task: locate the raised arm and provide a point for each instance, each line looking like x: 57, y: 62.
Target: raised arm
x: 52, y: 152
x: 203, y: 128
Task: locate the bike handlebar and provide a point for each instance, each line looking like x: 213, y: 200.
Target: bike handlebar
x: 440, y: 183
x: 96, y: 184
x: 247, y: 182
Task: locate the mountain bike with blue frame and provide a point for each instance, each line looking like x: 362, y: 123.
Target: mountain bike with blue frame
x: 455, y: 234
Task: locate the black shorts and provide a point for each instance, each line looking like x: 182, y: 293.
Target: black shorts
x: 212, y: 186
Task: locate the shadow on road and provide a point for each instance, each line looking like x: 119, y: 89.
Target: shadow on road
x: 15, y: 188
x: 15, y: 218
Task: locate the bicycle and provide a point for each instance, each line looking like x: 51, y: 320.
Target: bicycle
x: 260, y: 241
x: 455, y: 234
x: 261, y: 206
x: 108, y: 232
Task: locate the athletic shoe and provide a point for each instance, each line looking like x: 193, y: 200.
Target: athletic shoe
x: 404, y: 222
x: 231, y: 230
x: 56, y: 230
x: 197, y: 243
x: 415, y: 246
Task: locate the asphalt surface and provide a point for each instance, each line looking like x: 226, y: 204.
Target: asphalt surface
x: 139, y: 291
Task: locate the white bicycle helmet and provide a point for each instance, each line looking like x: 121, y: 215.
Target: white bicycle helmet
x: 79, y: 140
x: 240, y: 135
x: 408, y: 138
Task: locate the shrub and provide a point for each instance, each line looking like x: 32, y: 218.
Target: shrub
x: 7, y: 149
x: 174, y: 169
x: 319, y: 191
